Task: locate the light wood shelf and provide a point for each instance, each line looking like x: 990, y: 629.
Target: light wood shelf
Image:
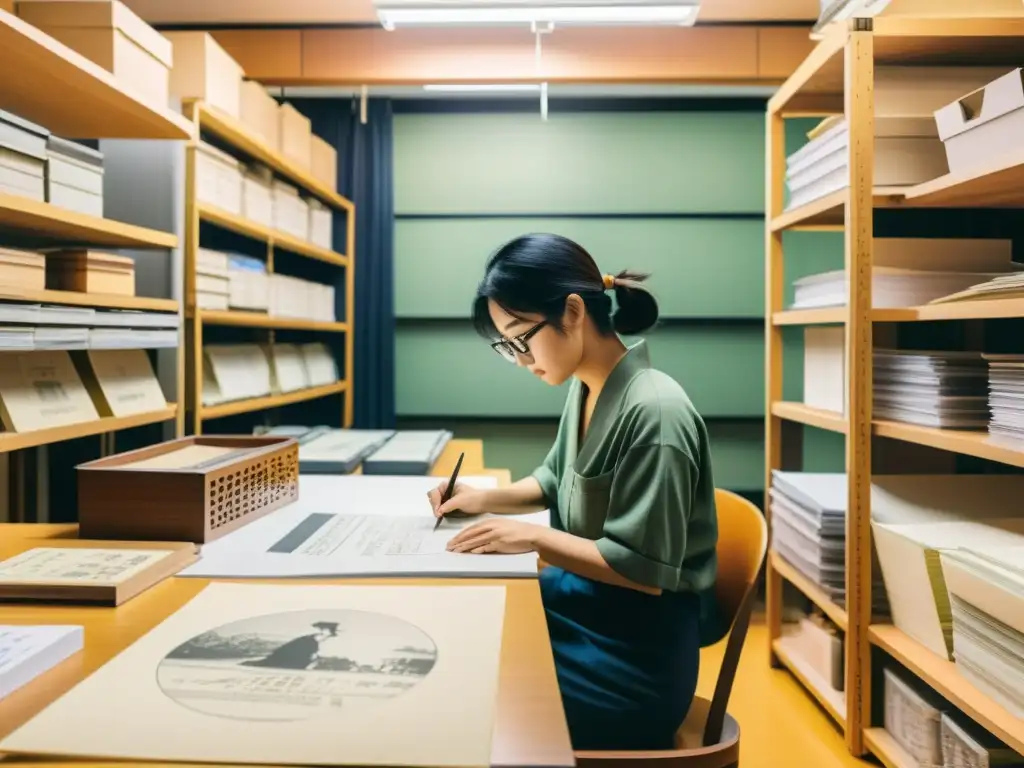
x: 945, y: 678
x: 233, y: 132
x: 831, y: 700
x: 16, y: 441
x: 883, y: 746
x: 841, y: 69
x: 98, y: 300
x: 240, y: 318
x: 48, y: 83
x: 274, y: 238
x: 810, y: 590
x: 45, y: 224
x: 271, y: 401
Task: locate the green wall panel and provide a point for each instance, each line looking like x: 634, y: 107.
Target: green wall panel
x: 446, y: 369
x: 698, y: 267
x: 574, y: 163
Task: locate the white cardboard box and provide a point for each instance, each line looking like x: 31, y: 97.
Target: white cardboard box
x: 980, y: 129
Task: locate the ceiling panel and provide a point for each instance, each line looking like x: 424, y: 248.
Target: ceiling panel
x: 361, y: 11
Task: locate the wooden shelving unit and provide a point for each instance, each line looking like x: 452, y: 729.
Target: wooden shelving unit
x: 244, y: 143
x: 837, y: 78
x: 52, y: 85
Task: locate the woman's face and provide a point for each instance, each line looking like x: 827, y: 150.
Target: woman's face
x: 553, y: 356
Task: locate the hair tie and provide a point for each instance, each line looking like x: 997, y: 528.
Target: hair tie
x: 609, y: 282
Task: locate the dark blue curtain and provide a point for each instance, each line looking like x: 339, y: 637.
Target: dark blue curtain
x: 365, y: 176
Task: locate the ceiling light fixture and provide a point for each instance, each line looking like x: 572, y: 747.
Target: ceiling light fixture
x: 395, y: 13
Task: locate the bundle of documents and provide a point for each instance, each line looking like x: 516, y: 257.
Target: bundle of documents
x: 14, y: 337
x: 408, y: 453
x: 891, y: 287
x: 27, y: 651
x: 132, y: 338
x: 1009, y: 286
x: 327, y: 451
x: 809, y: 530
x: 946, y: 390
x: 1006, y: 395
x: 60, y: 337
x: 248, y: 283
x: 986, y: 590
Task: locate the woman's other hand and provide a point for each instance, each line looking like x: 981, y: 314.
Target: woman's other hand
x: 466, y: 499
x: 497, y: 536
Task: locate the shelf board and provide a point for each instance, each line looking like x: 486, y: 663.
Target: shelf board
x: 261, y: 320
x: 243, y: 226
x: 831, y: 700
x: 964, y: 442
x: 812, y: 417
x: 45, y: 224
x: 829, y: 212
x: 945, y: 678
x: 272, y: 401
x: 883, y: 746
x: 981, y: 309
x: 16, y: 441
x: 997, y: 185
x: 100, y: 300
x: 823, y: 316
x: 230, y: 130
x: 50, y: 84
x: 810, y: 590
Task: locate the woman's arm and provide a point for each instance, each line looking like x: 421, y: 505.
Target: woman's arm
x: 522, y: 496
x: 582, y: 557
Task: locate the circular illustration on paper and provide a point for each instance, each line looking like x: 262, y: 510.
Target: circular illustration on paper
x: 296, y: 665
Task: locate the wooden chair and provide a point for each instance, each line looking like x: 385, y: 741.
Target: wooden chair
x: 710, y: 737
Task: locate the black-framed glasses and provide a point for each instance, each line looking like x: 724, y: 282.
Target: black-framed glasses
x: 517, y: 345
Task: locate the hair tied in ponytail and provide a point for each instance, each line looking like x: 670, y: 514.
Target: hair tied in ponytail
x: 637, y: 309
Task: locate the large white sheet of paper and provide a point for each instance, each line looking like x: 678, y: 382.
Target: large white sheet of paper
x: 357, y: 525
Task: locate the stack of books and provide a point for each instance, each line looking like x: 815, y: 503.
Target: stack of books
x: 945, y: 390
x: 1006, y: 396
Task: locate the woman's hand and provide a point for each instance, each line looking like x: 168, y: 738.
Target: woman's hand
x: 497, y: 536
x: 466, y: 499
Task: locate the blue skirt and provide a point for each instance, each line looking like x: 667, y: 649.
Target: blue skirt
x: 627, y: 662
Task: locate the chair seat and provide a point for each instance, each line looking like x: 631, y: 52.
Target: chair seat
x: 689, y: 752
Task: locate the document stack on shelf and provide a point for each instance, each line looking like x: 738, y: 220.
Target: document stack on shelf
x: 945, y: 390
x: 60, y: 337
x: 411, y: 452
x: 1006, y: 396
x: 132, y: 338
x: 986, y: 590
x: 891, y: 287
x: 16, y: 337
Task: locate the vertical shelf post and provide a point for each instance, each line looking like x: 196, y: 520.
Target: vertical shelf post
x: 859, y: 233
x: 350, y: 313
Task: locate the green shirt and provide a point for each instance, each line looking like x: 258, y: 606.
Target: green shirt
x: 641, y: 484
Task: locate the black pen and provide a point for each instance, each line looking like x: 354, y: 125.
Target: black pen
x: 450, y: 489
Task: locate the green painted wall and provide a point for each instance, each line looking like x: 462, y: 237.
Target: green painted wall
x: 468, y: 171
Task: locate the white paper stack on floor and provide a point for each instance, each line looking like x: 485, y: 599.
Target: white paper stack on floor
x: 986, y: 589
x: 1006, y: 396
x: 891, y: 287
x: 947, y: 390
x: 28, y: 651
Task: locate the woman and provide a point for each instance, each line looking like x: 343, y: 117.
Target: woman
x: 631, y: 548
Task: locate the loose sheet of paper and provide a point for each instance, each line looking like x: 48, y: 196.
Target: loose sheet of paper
x: 294, y: 675
x: 66, y: 565
x: 26, y: 651
x: 355, y: 525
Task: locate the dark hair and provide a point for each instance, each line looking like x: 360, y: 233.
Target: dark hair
x: 535, y: 274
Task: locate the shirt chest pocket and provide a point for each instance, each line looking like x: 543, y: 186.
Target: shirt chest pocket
x: 588, y: 504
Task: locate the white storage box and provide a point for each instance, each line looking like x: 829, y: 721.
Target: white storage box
x: 109, y: 34
x: 211, y: 301
x: 259, y: 111
x: 257, y: 199
x: 209, y: 262
x: 913, y: 719
x: 22, y: 157
x: 74, y: 176
x: 984, y: 126
x: 291, y: 212
x: 204, y: 70
x: 218, y: 178
x: 825, y: 368
x: 249, y: 283
x: 321, y: 222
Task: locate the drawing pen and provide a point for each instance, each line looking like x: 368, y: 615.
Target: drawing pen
x: 451, y: 488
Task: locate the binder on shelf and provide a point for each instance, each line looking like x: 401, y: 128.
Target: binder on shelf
x: 411, y: 452
x: 327, y: 451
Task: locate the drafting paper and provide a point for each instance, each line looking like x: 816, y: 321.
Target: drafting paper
x: 354, y: 525
x: 294, y: 675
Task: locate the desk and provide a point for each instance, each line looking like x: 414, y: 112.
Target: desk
x: 530, y: 728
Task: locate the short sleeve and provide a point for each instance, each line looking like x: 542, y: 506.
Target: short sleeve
x: 644, y: 537
x: 547, y: 475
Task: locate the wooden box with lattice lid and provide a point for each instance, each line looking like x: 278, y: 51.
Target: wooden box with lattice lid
x: 191, y: 489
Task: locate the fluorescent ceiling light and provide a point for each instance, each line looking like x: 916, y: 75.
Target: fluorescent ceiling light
x: 484, y: 87
x: 393, y: 13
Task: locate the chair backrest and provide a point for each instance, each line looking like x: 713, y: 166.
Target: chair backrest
x: 742, y: 545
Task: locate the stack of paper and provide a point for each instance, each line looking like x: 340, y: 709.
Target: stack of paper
x: 1009, y: 286
x: 986, y: 588
x: 60, y: 337
x: 327, y: 451
x: 132, y: 338
x: 411, y: 452
x: 1006, y: 396
x: 947, y: 390
x: 14, y: 337
x: 28, y: 651
x: 891, y: 287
